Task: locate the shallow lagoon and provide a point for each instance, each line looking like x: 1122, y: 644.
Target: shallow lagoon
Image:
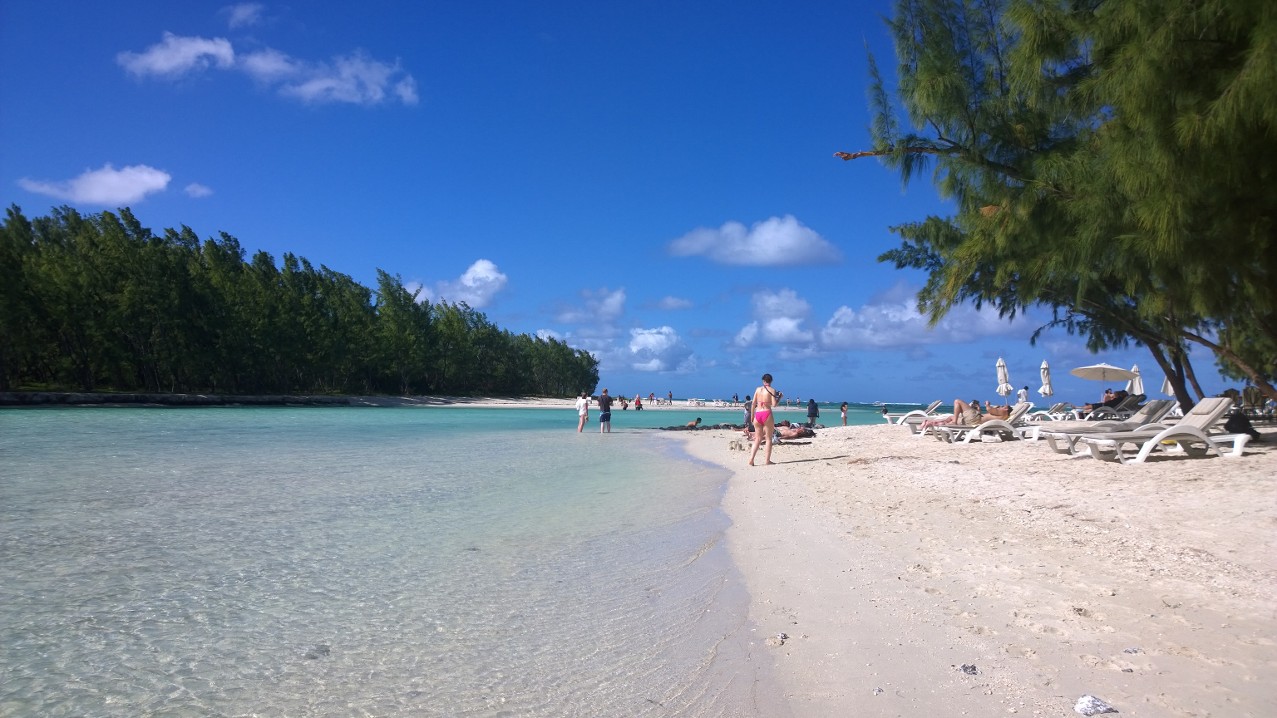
x: 384, y: 561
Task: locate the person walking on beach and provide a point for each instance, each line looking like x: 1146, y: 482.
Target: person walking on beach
x: 765, y: 398
x: 843, y: 409
x: 582, y: 412
x: 605, y: 413
x: 813, y: 412
x: 1022, y: 395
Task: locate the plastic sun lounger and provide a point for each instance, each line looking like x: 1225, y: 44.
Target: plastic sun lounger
x: 912, y: 420
x: 995, y: 429
x: 1121, y: 410
x: 1064, y: 437
x: 1186, y: 439
x: 900, y: 418
x: 1190, y: 434
x: 1057, y: 412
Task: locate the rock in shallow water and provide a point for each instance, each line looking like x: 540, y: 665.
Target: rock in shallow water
x: 318, y: 652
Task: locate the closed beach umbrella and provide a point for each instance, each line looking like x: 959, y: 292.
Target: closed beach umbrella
x: 1004, y: 378
x: 1136, y: 384
x: 1046, y: 389
x: 1102, y: 372
x: 1167, y: 389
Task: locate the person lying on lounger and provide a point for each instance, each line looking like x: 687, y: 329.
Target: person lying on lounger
x: 964, y: 414
x: 1117, y: 398
x: 996, y: 412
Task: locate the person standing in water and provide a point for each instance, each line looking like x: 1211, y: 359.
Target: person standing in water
x: 765, y: 398
x: 605, y: 413
x: 843, y: 409
x: 582, y: 411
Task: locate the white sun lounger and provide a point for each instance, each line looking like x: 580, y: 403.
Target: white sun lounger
x: 1191, y: 435
x: 994, y: 429
x: 913, y: 419
x: 1058, y: 412
x: 1064, y: 436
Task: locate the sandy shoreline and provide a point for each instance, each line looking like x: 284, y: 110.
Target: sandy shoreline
x: 892, y: 561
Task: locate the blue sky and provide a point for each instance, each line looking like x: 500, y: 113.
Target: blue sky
x: 652, y: 182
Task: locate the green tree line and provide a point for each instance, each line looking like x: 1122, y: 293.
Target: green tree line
x: 1108, y: 161
x: 101, y: 303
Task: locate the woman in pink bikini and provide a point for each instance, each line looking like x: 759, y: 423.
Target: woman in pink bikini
x: 765, y: 398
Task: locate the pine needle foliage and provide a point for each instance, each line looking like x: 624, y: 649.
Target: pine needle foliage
x: 1109, y: 161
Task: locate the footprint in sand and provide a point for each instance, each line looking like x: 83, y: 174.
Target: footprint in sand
x: 1084, y: 612
x: 1019, y: 651
x: 1027, y: 621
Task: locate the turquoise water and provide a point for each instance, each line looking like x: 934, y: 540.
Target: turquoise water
x: 381, y: 562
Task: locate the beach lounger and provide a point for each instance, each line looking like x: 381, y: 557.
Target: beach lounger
x: 994, y: 429
x: 912, y: 420
x: 1057, y: 412
x: 1064, y: 437
x: 1121, y: 410
x: 1191, y: 435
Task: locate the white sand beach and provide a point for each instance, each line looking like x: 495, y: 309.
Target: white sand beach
x: 911, y: 577
x: 892, y: 562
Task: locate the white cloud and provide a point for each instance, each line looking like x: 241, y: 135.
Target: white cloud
x: 674, y: 303
x: 197, y: 190
x: 355, y: 78
x: 176, y: 55
x: 785, y: 330
x: 106, y: 186
x: 270, y: 66
x: 417, y: 291
x: 600, y: 307
x: 476, y: 287
x: 892, y: 320
x: 659, y: 349
x: 244, y: 14
x: 778, y: 319
x: 778, y: 241
x: 406, y: 90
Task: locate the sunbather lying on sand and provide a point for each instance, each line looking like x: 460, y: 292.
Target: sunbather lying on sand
x: 787, y: 430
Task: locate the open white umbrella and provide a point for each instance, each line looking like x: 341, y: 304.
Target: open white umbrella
x: 1004, y: 378
x: 1046, y: 389
x: 1136, y: 384
x: 1102, y: 372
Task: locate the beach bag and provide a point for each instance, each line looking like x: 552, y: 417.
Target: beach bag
x: 1237, y: 423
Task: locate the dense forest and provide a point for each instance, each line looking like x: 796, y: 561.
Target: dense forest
x: 101, y: 303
